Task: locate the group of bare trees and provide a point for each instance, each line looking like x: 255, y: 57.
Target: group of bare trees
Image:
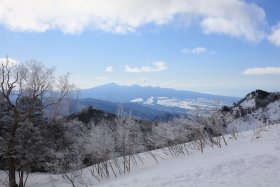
x: 108, y: 147
x: 26, y: 91
x: 112, y: 147
x: 183, y: 135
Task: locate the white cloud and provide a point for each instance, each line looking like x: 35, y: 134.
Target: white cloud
x: 274, y: 38
x: 157, y: 66
x: 101, y: 78
x: 262, y: 71
x: 232, y: 17
x: 109, y: 69
x: 197, y: 50
x: 10, y: 61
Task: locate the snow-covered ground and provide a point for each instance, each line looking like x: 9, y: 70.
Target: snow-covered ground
x: 250, y: 103
x: 273, y: 110
x: 149, y: 101
x: 251, y: 160
x: 188, y: 104
x: 264, y: 115
x: 137, y: 100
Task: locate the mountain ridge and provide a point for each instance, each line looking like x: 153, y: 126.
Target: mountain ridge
x: 167, y: 100
x: 119, y: 92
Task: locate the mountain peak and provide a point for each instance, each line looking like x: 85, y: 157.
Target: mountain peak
x: 258, y: 94
x: 258, y: 98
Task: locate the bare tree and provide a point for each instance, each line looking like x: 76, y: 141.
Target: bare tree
x: 128, y: 139
x: 101, y: 146
x: 26, y: 89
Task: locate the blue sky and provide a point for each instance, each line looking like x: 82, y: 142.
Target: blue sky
x: 227, y: 47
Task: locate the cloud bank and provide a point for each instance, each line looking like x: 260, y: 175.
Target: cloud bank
x: 157, y: 67
x: 236, y: 18
x: 262, y: 71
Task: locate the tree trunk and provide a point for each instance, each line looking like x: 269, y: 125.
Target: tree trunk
x: 20, y: 179
x: 12, y: 173
x: 12, y: 163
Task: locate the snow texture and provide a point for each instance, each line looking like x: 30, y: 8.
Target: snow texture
x: 248, y: 161
x: 250, y: 103
x: 137, y: 100
x: 188, y: 104
x: 175, y: 103
x: 149, y: 101
x: 258, y: 118
x: 273, y: 110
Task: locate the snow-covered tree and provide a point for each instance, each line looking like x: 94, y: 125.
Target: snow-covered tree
x: 100, y: 142
x: 128, y: 139
x: 69, y: 152
x: 27, y: 89
x: 30, y: 149
x: 100, y: 149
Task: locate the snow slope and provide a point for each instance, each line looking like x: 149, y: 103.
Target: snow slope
x: 251, y: 160
x: 250, y: 103
x: 248, y: 161
x: 257, y: 118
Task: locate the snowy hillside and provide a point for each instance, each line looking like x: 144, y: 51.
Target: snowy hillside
x: 258, y: 108
x: 251, y: 160
x: 259, y: 117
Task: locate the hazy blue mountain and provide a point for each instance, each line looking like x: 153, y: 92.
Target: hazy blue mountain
x: 134, y: 109
x: 151, y: 102
x: 117, y: 93
x: 122, y: 94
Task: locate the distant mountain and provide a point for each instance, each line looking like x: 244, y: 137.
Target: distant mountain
x: 134, y: 109
x: 157, y: 98
x: 117, y: 93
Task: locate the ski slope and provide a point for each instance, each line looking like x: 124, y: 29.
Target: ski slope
x: 251, y: 160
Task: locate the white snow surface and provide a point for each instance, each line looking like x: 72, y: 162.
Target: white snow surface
x: 247, y: 162
x: 175, y: 103
x: 250, y: 103
x: 137, y: 100
x: 251, y: 160
x: 273, y: 110
x: 149, y: 101
x: 258, y: 118
x: 188, y: 104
